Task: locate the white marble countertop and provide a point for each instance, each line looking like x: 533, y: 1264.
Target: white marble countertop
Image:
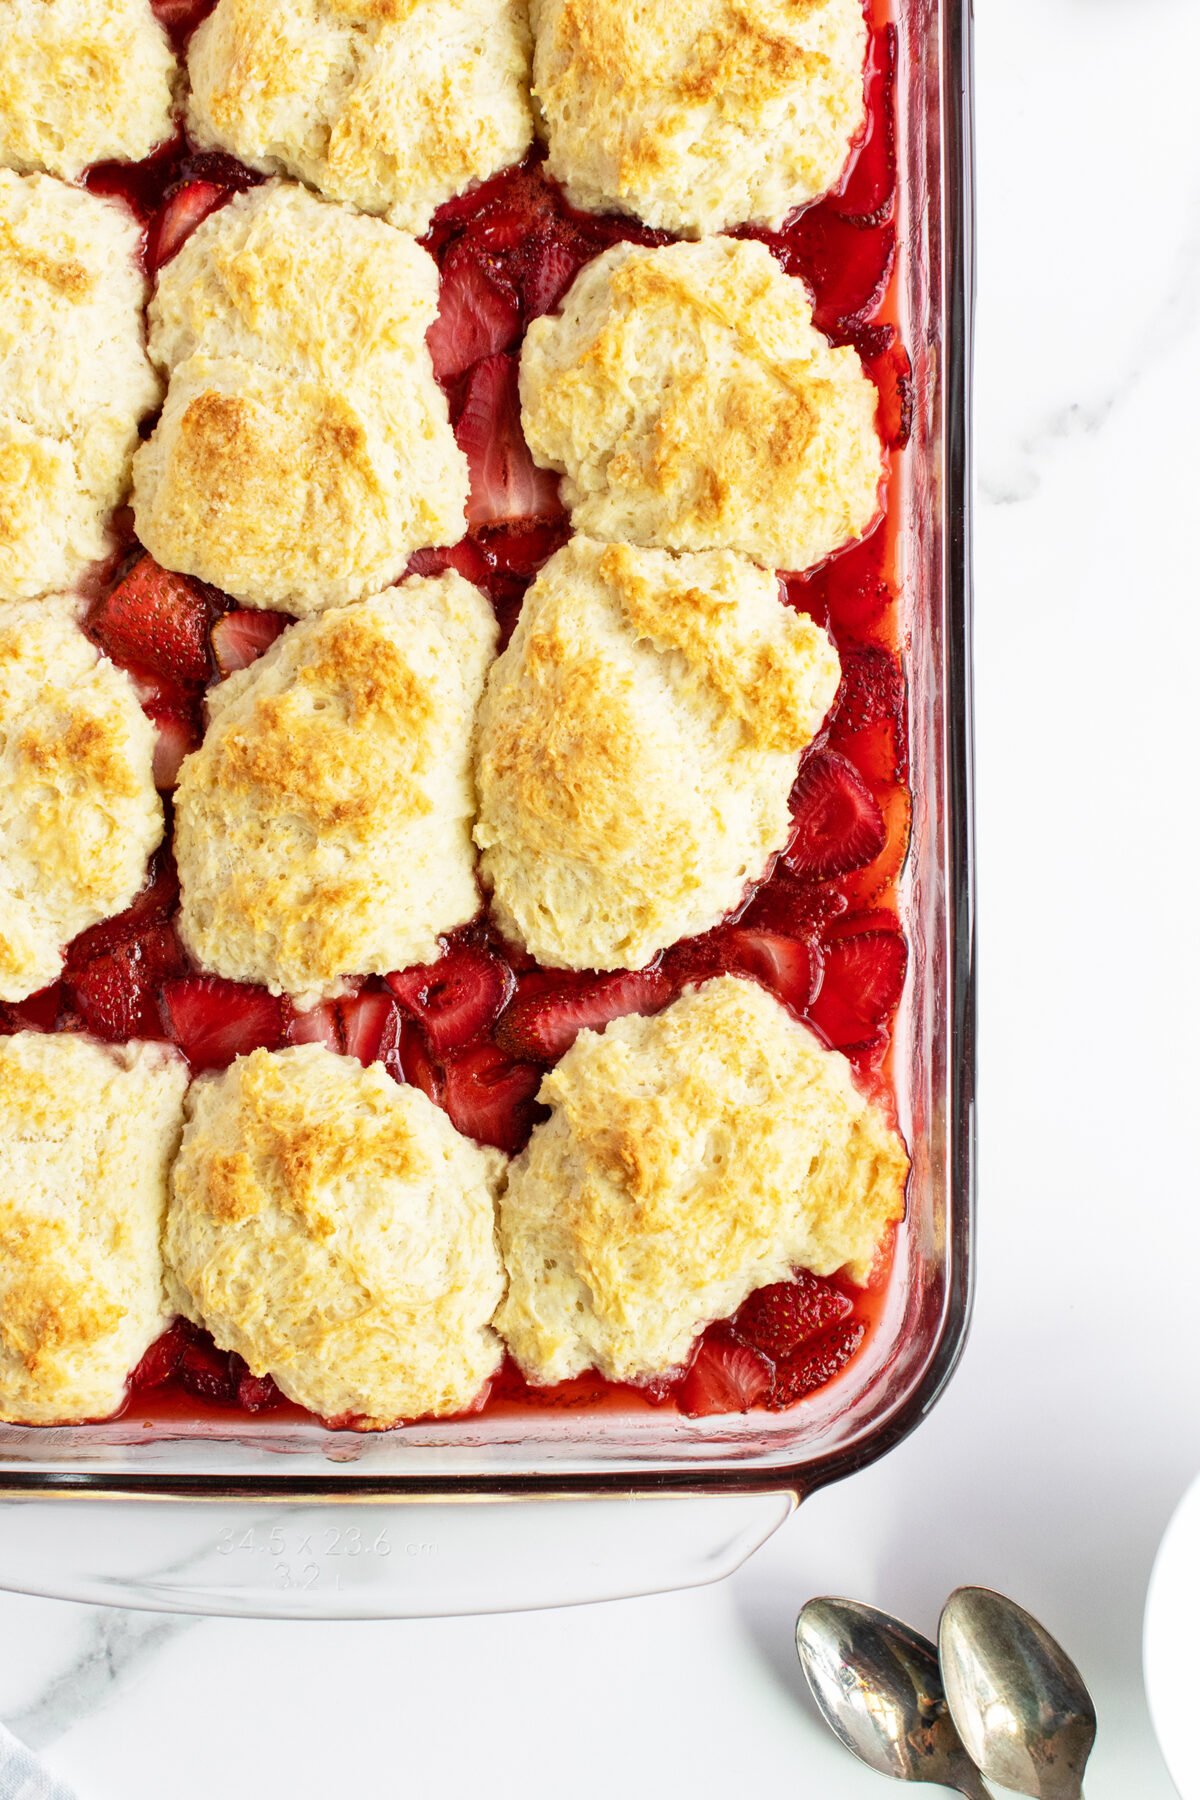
x: 1072, y: 1428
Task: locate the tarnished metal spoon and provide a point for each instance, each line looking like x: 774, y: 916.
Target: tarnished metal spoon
x: 1019, y: 1702
x: 878, y: 1687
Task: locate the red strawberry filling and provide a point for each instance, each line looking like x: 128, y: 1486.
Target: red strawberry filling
x: 861, y: 987
x: 837, y: 822
x: 479, y: 313
x: 157, y: 620
x: 726, y: 1376
x: 240, y: 637
x: 489, y: 1097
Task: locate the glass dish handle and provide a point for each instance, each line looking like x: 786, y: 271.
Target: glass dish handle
x: 360, y: 1559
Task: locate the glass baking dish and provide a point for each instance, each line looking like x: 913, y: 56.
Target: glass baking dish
x: 304, y: 1521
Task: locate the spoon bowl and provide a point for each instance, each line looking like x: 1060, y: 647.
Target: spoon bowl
x: 877, y: 1685
x: 1018, y: 1701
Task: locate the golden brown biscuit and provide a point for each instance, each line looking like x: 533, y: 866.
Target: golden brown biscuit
x: 82, y: 81
x: 700, y: 114
x: 87, y: 1133
x: 336, y: 1231
x: 74, y: 378
x: 691, y: 404
x: 393, y: 105
x: 690, y: 1158
x: 304, y: 450
x: 638, y: 741
x: 323, y: 828
x: 79, y: 815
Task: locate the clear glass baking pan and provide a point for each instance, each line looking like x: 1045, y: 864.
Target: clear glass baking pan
x: 304, y: 1521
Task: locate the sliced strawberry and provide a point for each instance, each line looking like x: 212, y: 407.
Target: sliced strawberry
x: 892, y: 373
x: 489, y: 1097
x: 814, y: 1365
x: 320, y: 1024
x: 543, y: 1024
x: 779, y: 1318
x: 506, y: 484
x: 180, y: 214
x: 850, y: 589
x: 794, y: 908
x: 863, y: 981
x: 869, y: 721
x: 162, y: 1359
x: 115, y: 994
x: 518, y: 210
x: 240, y: 637
x: 213, y: 1020
x: 455, y: 999
x: 788, y: 966
x: 478, y: 313
x: 205, y: 1372
x: 253, y: 1393
x: 158, y: 898
x: 156, y: 619
x: 837, y: 822
x: 726, y: 1376
x: 178, y: 735
x: 371, y: 1027
x: 466, y: 557
x: 417, y: 1066
x: 521, y: 550
x: 552, y: 266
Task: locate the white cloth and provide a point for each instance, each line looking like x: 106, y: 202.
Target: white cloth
x: 22, y: 1776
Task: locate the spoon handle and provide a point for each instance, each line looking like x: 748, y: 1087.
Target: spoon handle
x: 972, y: 1786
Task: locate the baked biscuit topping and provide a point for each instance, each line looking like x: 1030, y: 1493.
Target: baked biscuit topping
x: 323, y: 829
x: 87, y: 1133
x: 79, y: 815
x: 703, y: 114
x: 394, y: 105
x: 74, y: 378
x: 304, y: 450
x: 692, y: 405
x: 336, y: 1231
x: 690, y: 1158
x: 82, y: 81
x: 627, y: 668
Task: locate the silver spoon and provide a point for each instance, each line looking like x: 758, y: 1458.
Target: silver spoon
x: 878, y: 1687
x: 1018, y: 1700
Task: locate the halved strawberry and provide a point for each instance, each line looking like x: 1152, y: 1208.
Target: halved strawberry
x: 478, y: 313
x: 213, y: 1020
x: 371, y: 1028
x: 180, y: 214
x: 726, y: 1376
x: 156, y: 619
x: 815, y: 1364
x: 466, y: 556
x: 455, y: 998
x: 115, y: 994
x: 779, y: 1318
x: 863, y: 981
x: 240, y: 637
x: 794, y: 908
x: 506, y: 484
x: 837, y: 822
x: 489, y: 1097
x: 178, y: 735
x: 544, y: 1023
x: 319, y: 1024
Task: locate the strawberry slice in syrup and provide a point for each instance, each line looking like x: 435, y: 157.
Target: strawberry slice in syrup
x: 157, y: 620
x: 455, y: 999
x: 240, y: 637
x: 838, y: 825
x: 726, y: 1376
x: 213, y: 1020
x: 507, y: 486
x: 478, y: 313
x: 543, y: 1022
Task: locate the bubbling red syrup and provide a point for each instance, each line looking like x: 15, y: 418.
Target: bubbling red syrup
x: 477, y: 1030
